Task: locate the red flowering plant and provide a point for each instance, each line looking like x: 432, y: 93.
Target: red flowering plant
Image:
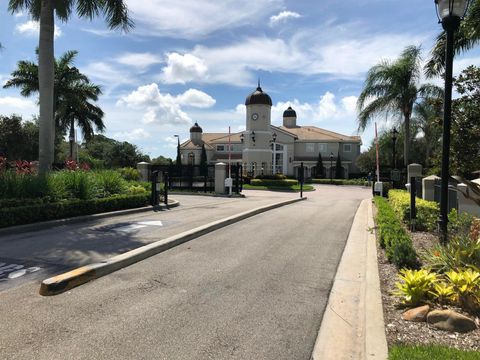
x: 74, y: 166
x: 71, y: 165
x: 24, y: 167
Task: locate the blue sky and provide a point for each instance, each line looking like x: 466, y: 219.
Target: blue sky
x: 197, y: 60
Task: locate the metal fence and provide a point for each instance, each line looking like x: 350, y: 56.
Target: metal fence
x: 452, y: 195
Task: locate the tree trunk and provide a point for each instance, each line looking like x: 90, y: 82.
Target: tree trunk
x: 406, y: 141
x: 46, y: 83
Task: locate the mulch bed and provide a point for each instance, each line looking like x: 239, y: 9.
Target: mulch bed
x: 399, y: 331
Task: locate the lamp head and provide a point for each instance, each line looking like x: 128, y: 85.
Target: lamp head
x: 451, y: 8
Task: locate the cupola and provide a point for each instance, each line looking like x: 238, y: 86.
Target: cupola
x: 258, y: 97
x: 289, y: 118
x: 196, y: 134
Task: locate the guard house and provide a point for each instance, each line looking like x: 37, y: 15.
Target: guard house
x: 267, y: 149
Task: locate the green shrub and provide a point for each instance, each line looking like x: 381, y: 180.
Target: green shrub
x: 73, y: 185
x: 274, y: 183
x: 129, y: 173
x: 427, y: 211
x: 416, y: 286
x: 271, y: 177
x: 393, y: 237
x: 361, y: 182
x: 22, y: 186
x: 109, y: 182
x: 64, y: 209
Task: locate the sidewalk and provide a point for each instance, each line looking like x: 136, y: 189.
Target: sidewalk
x: 353, y: 325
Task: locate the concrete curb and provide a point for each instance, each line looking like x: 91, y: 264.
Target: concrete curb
x: 63, y: 282
x: 352, y: 325
x: 51, y: 223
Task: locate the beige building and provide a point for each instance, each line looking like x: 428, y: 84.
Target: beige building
x: 265, y: 149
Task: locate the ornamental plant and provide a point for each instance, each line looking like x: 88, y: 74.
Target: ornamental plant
x: 466, y: 284
x: 416, y: 286
x: 443, y: 292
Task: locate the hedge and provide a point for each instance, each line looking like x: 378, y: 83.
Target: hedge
x: 50, y: 211
x: 361, y: 182
x: 275, y: 183
x: 393, y: 237
x: 427, y: 211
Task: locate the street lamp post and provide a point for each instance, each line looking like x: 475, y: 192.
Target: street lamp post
x: 394, y: 139
x: 274, y: 138
x: 450, y: 13
x: 331, y: 167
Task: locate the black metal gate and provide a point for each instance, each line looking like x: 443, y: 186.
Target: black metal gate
x: 197, y: 178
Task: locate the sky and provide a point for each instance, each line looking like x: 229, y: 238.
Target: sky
x: 197, y: 60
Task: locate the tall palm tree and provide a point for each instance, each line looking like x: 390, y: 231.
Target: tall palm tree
x: 467, y: 36
x: 73, y: 95
x: 116, y: 14
x: 392, y: 88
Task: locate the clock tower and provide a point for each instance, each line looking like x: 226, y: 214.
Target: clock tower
x: 257, y: 151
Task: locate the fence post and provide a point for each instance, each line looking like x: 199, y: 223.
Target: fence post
x: 165, y: 189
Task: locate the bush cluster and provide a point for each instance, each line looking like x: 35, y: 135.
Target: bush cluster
x: 393, y: 237
x: 427, y: 211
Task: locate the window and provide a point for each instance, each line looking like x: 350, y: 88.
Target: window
x: 310, y: 147
x: 220, y: 147
x: 347, y: 147
x: 322, y: 147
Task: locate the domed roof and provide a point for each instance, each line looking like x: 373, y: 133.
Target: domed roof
x: 289, y: 112
x: 258, y: 97
x: 196, y: 128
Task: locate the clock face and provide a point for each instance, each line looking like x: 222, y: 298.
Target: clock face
x: 254, y: 116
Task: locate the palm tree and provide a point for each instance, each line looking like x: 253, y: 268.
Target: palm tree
x: 467, y: 36
x: 427, y: 115
x: 392, y: 88
x: 73, y: 93
x: 116, y: 14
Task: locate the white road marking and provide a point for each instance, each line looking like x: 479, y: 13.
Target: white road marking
x: 128, y: 228
x: 151, y: 223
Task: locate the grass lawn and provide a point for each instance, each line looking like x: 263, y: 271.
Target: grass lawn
x: 293, y: 188
x: 430, y: 352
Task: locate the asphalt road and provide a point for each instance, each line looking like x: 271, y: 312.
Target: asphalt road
x: 256, y: 289
x: 35, y: 255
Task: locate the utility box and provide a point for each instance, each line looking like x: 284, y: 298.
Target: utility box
x: 414, y: 170
x: 378, y: 188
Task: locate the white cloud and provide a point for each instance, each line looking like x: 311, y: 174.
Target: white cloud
x: 141, y: 61
x: 135, y: 134
x: 165, y: 109
x: 326, y: 109
x: 183, y: 68
x: 193, y: 19
x: 108, y: 75
x: 11, y: 104
x: 283, y: 16
x: 195, y: 98
x: 32, y: 28
x: 305, y: 53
